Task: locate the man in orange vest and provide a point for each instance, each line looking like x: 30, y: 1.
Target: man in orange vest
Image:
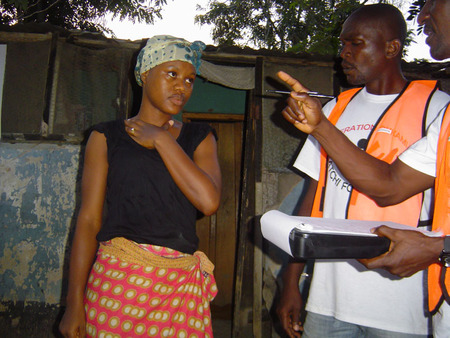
x: 388, y: 184
x: 384, y: 117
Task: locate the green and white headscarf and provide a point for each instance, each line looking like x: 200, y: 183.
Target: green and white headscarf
x: 164, y: 48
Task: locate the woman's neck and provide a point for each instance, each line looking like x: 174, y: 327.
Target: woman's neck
x: 155, y: 119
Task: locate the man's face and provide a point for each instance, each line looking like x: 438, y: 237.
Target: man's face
x: 435, y: 15
x: 363, y: 51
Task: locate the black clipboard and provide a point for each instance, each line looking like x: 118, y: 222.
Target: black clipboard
x: 306, y: 245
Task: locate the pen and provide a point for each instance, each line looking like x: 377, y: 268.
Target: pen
x: 313, y: 94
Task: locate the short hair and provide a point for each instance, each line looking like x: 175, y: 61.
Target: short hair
x: 389, y: 16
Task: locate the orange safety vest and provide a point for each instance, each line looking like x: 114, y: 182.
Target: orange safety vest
x: 401, y: 124
x: 437, y: 289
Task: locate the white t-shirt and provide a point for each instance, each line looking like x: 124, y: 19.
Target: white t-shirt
x: 345, y: 289
x: 422, y: 155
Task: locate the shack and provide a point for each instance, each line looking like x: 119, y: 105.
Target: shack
x: 57, y: 84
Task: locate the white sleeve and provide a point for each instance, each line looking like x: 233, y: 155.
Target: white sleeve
x: 308, y: 160
x: 421, y: 156
x: 437, y: 102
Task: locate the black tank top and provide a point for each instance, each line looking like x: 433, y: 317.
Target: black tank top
x: 143, y: 202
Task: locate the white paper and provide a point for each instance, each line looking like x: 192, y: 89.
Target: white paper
x: 276, y: 227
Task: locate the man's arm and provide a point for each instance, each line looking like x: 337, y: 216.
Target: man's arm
x: 385, y: 184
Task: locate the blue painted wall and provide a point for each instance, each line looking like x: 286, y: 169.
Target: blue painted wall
x: 38, y: 189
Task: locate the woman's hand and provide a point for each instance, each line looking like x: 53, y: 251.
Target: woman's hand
x: 73, y: 323
x: 145, y: 133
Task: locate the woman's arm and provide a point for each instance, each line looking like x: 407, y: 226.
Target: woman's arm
x: 200, y: 180
x: 84, y: 246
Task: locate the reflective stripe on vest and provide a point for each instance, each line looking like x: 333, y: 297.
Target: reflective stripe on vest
x: 397, y: 128
x: 441, y: 218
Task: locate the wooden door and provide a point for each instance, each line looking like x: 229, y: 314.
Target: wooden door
x: 218, y: 233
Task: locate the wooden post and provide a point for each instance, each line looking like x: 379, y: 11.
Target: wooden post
x: 244, y: 296
x: 257, y: 264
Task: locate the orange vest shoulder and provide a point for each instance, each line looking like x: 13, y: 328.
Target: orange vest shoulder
x: 441, y: 218
x: 397, y: 128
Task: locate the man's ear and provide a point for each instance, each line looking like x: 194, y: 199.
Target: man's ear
x: 393, y: 48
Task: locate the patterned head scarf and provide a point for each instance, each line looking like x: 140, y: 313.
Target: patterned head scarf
x: 164, y: 48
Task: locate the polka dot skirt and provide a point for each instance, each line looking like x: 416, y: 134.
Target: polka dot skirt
x: 125, y: 298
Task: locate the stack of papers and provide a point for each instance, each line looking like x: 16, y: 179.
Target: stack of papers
x: 277, y: 227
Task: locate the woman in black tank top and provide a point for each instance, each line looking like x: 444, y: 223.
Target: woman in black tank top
x: 138, y: 269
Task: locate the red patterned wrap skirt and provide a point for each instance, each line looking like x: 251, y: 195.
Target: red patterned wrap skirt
x: 141, y: 290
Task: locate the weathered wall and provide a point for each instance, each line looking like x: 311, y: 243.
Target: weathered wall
x: 38, y: 184
x: 39, y: 196
x: 281, y: 140
x: 282, y: 186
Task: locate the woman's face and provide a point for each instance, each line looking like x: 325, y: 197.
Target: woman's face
x: 168, y: 86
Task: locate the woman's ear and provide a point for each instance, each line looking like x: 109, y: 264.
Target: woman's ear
x: 144, y: 77
x: 393, y: 48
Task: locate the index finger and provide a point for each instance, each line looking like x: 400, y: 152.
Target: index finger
x: 294, y: 83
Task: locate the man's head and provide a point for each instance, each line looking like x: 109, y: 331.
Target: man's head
x: 372, y: 42
x: 435, y: 15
